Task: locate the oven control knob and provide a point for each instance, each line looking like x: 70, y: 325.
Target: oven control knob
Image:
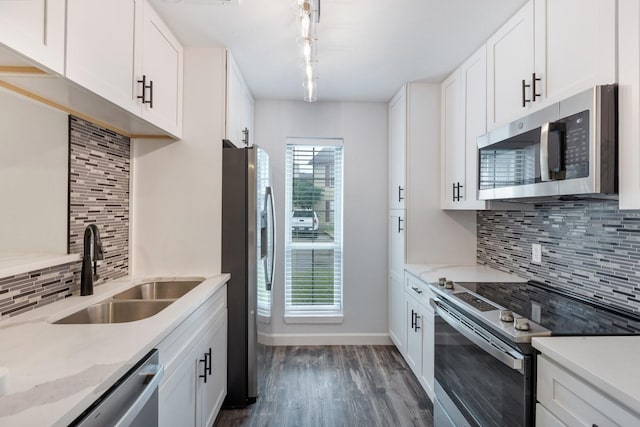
x: 506, y: 316
x: 521, y: 324
x: 448, y: 284
x: 441, y: 281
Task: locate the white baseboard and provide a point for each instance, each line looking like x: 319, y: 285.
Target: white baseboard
x: 323, y: 339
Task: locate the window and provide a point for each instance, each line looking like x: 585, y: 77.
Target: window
x: 313, y: 233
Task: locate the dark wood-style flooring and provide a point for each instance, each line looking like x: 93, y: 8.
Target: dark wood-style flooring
x: 334, y: 386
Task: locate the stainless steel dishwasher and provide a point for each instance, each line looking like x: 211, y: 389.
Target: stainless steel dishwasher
x: 130, y: 402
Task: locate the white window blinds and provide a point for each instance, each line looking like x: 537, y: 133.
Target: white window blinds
x: 313, y: 229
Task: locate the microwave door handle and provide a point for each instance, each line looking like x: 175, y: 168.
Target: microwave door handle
x: 544, y: 152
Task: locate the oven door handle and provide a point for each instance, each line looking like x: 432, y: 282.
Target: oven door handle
x: 513, y: 361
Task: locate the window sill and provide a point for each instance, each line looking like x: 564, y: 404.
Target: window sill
x: 315, y: 319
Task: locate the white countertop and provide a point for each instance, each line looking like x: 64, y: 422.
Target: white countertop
x: 461, y: 273
x: 57, y: 371
x: 608, y: 363
x: 12, y: 263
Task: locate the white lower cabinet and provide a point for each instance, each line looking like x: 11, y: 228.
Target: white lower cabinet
x: 414, y: 337
x: 195, y: 359
x: 566, y: 399
x: 428, y: 347
x: 420, y: 331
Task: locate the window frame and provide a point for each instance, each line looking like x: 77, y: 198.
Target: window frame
x: 332, y: 313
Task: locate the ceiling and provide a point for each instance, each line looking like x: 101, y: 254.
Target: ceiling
x: 366, y: 49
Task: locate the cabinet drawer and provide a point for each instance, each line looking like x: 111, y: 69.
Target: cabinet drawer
x: 545, y: 418
x: 419, y: 289
x: 575, y: 402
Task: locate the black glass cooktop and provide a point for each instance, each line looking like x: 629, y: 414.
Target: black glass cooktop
x: 563, y: 313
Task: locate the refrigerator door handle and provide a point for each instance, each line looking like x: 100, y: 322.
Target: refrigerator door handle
x: 272, y: 233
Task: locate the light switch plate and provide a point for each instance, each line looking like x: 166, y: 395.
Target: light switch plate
x: 536, y: 253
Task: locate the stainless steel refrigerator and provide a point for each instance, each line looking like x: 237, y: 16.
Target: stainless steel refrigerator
x: 248, y: 243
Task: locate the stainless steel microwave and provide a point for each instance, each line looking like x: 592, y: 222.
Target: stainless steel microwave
x: 568, y: 148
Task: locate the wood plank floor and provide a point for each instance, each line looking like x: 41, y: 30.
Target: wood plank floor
x: 334, y: 386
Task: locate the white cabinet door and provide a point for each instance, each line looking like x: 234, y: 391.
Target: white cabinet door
x: 464, y: 116
x: 474, y: 94
x: 177, y: 401
x: 397, y: 149
x: 575, y: 45
x: 452, y: 143
x: 575, y: 402
x: 428, y: 348
x: 212, y: 393
x: 35, y: 29
x: 239, y: 106
x: 397, y: 310
x: 103, y: 54
x: 414, y: 337
x: 510, y: 60
x: 397, y: 242
x: 162, y: 59
x: 629, y: 103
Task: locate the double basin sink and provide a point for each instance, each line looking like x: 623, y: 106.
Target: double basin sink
x: 136, y: 303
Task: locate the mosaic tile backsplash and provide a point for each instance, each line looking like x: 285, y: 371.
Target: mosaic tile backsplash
x: 99, y: 194
x: 99, y: 163
x: 589, y: 247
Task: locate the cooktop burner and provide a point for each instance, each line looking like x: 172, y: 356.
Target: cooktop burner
x: 519, y: 311
x: 562, y: 312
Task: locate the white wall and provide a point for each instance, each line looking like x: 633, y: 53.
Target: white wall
x: 435, y: 236
x: 363, y: 126
x: 34, y: 169
x: 176, y: 186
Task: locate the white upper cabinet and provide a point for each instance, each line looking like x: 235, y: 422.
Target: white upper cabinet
x: 128, y: 57
x: 575, y: 46
x: 162, y: 60
x: 629, y: 103
x: 549, y: 50
x: 463, y: 120
x: 104, y: 54
x: 239, y: 123
x: 452, y: 134
x: 397, y: 149
x: 510, y: 67
x: 35, y: 29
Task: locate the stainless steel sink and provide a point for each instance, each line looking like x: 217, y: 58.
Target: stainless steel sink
x: 158, y: 290
x: 115, y: 312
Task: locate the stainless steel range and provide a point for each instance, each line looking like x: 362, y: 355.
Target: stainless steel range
x: 484, y: 362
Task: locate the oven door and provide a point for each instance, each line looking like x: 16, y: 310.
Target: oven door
x: 479, y: 379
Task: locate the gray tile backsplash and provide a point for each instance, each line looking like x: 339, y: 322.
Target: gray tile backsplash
x: 590, y: 247
x: 99, y: 171
x: 99, y: 175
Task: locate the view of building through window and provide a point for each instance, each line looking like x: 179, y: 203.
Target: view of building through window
x: 313, y: 236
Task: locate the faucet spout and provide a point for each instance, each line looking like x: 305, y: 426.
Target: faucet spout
x: 92, y: 253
